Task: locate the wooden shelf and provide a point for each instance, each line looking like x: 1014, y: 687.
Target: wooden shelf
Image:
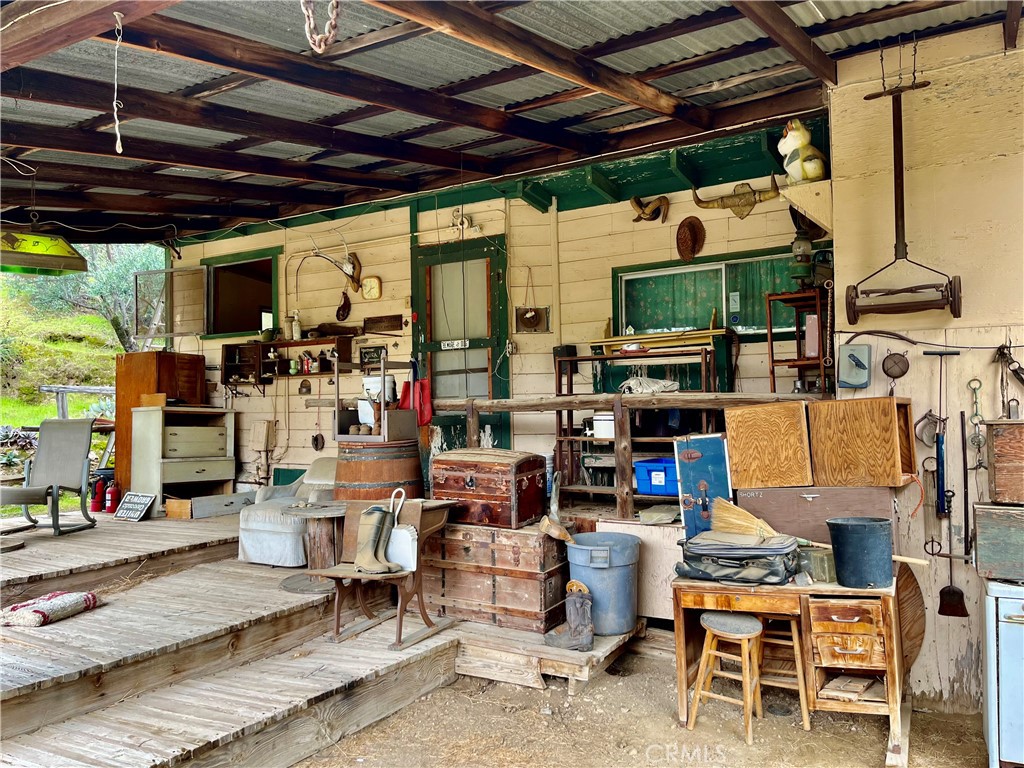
x: 602, y: 440
x: 605, y: 490
x: 323, y: 341
x: 806, y: 362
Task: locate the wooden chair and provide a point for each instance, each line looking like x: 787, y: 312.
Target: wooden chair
x: 740, y: 628
x: 427, y: 517
x: 783, y: 672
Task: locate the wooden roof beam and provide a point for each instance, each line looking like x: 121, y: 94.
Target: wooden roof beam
x: 34, y: 28
x: 775, y: 23
x: 485, y: 30
x: 1012, y: 24
x: 68, y: 91
x: 35, y: 136
x: 218, y: 49
x: 110, y: 228
x: 67, y: 173
x: 90, y: 201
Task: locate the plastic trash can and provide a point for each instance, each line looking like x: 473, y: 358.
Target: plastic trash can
x: 607, y: 564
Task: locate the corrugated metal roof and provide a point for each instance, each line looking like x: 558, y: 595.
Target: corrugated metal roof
x: 717, y: 72
x: 581, y: 23
x: 917, y: 22
x: 504, y: 148
x: 139, y: 69
x: 684, y: 46
x: 278, y: 22
x: 575, y: 108
x: 286, y: 101
x: 614, y: 121
x: 198, y: 173
x: 174, y: 133
x: 427, y: 62
x: 280, y: 150
x: 453, y: 137
x: 817, y: 11
x: 42, y: 114
x: 348, y: 160
x: 523, y: 89
x: 388, y: 123
x: 764, y: 84
x: 70, y: 158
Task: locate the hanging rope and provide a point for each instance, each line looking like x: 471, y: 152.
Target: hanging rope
x: 320, y: 43
x: 118, y: 16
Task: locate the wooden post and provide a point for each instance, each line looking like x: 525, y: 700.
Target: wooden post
x: 472, y: 425
x: 320, y: 543
x: 623, y: 461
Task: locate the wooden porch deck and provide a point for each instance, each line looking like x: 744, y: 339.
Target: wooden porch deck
x: 112, y: 550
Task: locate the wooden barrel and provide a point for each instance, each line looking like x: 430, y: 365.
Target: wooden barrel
x: 371, y: 471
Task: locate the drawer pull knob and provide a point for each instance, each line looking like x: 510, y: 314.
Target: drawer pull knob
x: 1014, y: 618
x: 840, y: 620
x: 848, y: 651
x: 172, y: 450
x: 809, y: 496
x: 198, y: 471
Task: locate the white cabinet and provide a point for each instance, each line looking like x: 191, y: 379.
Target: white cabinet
x: 183, y: 451
x: 1004, y: 673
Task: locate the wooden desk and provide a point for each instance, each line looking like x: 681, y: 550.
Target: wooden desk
x: 841, y: 629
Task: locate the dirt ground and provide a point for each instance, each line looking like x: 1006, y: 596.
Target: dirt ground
x: 627, y: 718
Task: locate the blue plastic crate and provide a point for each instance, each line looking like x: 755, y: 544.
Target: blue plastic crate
x: 657, y: 477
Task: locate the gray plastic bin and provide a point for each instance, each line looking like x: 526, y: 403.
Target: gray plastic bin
x: 607, y: 564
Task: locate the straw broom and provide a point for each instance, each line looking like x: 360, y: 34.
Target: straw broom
x: 729, y: 518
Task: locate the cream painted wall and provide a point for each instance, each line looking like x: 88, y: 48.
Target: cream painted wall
x: 964, y: 146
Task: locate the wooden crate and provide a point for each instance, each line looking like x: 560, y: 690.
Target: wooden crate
x: 999, y: 541
x: 768, y: 445
x: 1006, y: 461
x: 868, y: 441
x: 802, y: 512
x: 508, y: 578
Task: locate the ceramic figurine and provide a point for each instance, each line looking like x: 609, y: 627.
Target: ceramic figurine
x: 802, y: 161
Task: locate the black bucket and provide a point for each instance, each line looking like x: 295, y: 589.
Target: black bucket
x: 862, y: 547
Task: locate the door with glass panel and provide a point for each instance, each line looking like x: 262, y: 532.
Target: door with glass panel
x: 460, y: 332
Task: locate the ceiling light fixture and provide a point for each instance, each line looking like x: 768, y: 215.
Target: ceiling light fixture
x: 31, y: 253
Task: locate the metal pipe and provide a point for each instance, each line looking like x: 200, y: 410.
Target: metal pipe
x: 897, y: 161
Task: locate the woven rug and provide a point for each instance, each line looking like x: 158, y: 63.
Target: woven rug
x: 48, y: 609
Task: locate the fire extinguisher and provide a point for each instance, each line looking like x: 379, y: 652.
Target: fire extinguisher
x: 113, y: 497
x: 98, y: 496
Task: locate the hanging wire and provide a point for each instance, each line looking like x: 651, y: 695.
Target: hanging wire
x: 118, y: 16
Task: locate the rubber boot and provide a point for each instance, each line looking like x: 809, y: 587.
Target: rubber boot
x: 382, y: 543
x: 370, y: 524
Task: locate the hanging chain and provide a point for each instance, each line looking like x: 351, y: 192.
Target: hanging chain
x: 826, y: 346
x: 899, y: 60
x: 977, y: 440
x: 321, y: 42
x: 881, y: 63
x: 913, y: 80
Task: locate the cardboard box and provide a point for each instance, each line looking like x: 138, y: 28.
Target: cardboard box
x: 179, y: 509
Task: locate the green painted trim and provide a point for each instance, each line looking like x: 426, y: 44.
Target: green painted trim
x: 235, y: 258
x: 534, y: 195
x: 601, y: 184
x: 770, y: 154
x: 680, y: 166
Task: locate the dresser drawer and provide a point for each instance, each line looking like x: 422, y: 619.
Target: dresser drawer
x: 851, y: 617
x: 198, y: 470
x: 192, y: 442
x: 863, y: 651
x: 784, y: 604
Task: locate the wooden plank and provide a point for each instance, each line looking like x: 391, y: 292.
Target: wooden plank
x: 1005, y: 446
x: 503, y: 666
x: 775, y: 23
x: 768, y: 446
x: 140, y: 203
x: 208, y: 46
x: 34, y: 28
x: 1000, y: 541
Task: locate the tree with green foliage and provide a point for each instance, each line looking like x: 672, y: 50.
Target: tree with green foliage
x: 107, y: 289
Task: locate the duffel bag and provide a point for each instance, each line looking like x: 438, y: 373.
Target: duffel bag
x: 738, y: 557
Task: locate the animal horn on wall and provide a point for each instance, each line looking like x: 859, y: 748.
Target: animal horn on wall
x: 650, y: 211
x: 742, y: 200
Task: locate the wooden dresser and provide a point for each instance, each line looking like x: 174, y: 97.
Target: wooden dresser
x: 843, y: 630
x: 183, y: 451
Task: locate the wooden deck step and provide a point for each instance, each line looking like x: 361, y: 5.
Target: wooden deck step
x: 201, y: 620
x: 514, y: 656
x: 113, y: 550
x: 273, y: 711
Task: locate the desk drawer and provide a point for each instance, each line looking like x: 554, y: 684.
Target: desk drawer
x: 192, y: 442
x: 786, y: 604
x: 863, y: 651
x: 198, y: 470
x: 849, y: 617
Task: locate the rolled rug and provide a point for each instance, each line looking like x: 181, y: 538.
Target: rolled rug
x: 48, y: 609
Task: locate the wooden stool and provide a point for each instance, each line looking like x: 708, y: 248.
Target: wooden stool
x: 741, y: 628
x: 777, y: 673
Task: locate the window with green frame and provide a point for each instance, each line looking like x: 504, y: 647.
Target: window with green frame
x: 242, y: 293
x: 670, y: 296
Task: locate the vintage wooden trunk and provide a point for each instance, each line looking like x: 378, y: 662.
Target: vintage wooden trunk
x: 509, y: 578
x: 802, y: 512
x: 493, y: 486
x: 1006, y: 460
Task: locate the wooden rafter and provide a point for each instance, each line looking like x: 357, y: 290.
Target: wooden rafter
x: 33, y: 28
x: 119, y: 228
x: 218, y: 49
x: 91, y: 94
x: 775, y: 23
x: 68, y: 140
x: 1012, y: 24
x: 92, y: 201
x: 66, y: 173
x: 485, y: 30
